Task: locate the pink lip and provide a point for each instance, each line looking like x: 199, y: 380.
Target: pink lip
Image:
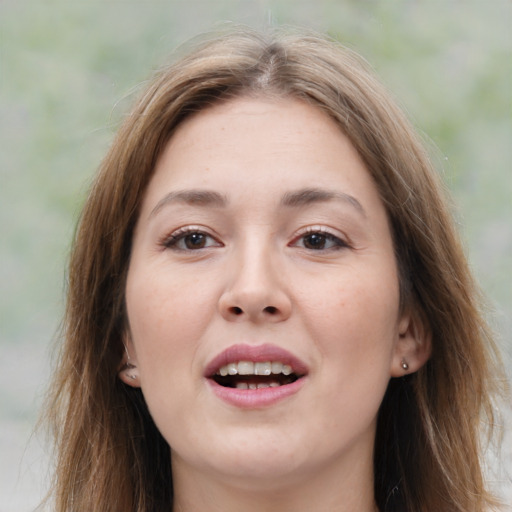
x: 257, y: 354
x: 255, y: 398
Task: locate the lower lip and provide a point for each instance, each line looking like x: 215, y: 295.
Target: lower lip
x: 255, y: 398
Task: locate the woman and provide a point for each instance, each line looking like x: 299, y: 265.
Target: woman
x: 268, y: 306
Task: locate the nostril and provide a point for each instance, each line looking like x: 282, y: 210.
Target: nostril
x: 271, y: 309
x: 236, y: 310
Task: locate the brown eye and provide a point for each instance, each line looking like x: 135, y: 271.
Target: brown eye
x: 315, y: 241
x: 195, y: 240
x: 320, y: 241
x: 190, y: 241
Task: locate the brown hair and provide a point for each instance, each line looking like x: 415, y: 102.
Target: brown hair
x: 427, y: 452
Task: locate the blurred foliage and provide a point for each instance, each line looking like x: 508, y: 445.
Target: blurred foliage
x: 68, y: 70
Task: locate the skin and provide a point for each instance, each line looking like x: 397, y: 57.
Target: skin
x: 259, y: 279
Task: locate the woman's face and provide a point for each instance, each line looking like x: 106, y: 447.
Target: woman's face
x: 262, y: 296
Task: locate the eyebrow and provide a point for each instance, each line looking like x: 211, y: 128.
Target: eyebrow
x: 307, y: 196
x: 295, y: 199
x: 192, y: 197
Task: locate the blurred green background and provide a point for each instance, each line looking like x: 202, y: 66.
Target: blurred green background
x: 69, y: 71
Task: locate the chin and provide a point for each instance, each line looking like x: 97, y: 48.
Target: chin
x: 251, y: 458
x: 253, y: 473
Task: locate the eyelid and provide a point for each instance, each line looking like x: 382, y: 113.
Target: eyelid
x: 171, y: 240
x: 344, y: 240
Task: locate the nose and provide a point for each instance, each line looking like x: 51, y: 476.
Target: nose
x: 254, y: 291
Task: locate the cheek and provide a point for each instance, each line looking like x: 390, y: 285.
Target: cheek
x: 167, y: 316
x: 355, y: 305
x: 354, y: 324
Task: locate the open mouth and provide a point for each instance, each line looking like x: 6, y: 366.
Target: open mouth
x: 255, y: 375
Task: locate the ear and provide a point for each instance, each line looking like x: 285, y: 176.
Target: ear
x: 128, y: 370
x: 413, y: 346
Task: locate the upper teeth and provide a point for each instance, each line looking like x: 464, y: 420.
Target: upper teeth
x: 250, y: 368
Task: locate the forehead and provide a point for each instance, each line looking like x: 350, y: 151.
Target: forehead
x: 259, y: 146
x: 248, y: 123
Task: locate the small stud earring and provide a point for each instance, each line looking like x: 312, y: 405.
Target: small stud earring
x: 405, y: 366
x: 126, y: 370
x: 128, y: 366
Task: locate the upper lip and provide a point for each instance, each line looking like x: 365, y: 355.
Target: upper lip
x: 257, y: 354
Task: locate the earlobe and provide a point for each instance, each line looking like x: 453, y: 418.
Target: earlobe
x: 128, y: 371
x: 413, y: 346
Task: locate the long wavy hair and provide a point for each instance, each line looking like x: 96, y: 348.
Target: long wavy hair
x: 109, y: 454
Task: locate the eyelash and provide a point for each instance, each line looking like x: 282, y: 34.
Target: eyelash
x: 174, y: 240
x: 327, y: 236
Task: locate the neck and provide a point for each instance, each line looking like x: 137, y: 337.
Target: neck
x: 330, y: 490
